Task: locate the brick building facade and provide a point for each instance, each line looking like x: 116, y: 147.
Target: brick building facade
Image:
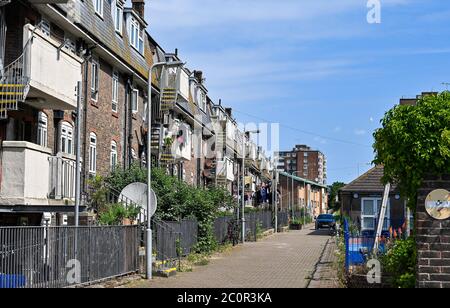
x: 304, y: 162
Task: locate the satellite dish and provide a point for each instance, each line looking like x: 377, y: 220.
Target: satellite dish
x: 137, y: 193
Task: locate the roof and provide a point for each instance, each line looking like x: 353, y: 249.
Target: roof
x: 299, y: 179
x: 368, y: 182
x: 104, y: 31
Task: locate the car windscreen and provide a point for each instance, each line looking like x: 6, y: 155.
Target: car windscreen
x: 326, y: 217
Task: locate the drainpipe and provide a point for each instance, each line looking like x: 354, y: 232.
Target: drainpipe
x: 125, y: 126
x: 87, y: 57
x: 130, y: 125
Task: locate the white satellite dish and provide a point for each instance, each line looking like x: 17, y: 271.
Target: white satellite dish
x: 137, y: 193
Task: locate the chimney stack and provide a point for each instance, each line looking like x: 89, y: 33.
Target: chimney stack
x: 139, y: 7
x: 199, y: 76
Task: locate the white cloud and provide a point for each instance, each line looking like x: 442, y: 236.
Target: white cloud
x: 360, y: 132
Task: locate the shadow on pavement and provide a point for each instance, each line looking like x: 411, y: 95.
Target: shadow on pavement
x: 323, y: 232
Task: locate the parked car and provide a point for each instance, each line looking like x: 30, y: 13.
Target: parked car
x: 326, y: 221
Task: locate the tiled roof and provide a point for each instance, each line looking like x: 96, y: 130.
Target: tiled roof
x: 103, y: 30
x: 368, y: 182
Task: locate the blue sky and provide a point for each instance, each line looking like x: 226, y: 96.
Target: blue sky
x: 312, y: 66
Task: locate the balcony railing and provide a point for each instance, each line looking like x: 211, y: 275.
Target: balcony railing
x: 62, y: 178
x: 31, y: 175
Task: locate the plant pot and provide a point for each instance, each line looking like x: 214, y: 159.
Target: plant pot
x: 127, y: 222
x: 295, y: 226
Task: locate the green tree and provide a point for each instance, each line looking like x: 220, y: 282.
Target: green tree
x: 334, y: 204
x: 414, y: 141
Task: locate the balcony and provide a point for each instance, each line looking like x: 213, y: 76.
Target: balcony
x: 225, y: 169
x: 30, y: 175
x: 52, y: 70
x: 174, y: 84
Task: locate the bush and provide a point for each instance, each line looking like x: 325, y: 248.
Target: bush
x: 400, y: 263
x: 177, y: 200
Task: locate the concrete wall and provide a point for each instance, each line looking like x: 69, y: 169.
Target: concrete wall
x: 53, y: 75
x: 25, y: 171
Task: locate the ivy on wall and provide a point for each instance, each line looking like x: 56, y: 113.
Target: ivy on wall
x: 414, y: 141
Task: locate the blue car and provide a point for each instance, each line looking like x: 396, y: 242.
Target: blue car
x: 326, y: 221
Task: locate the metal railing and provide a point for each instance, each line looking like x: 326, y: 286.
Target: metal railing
x: 14, y: 79
x: 62, y: 178
x: 45, y: 257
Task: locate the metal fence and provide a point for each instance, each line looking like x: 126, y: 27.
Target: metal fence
x: 173, y: 240
x: 46, y: 257
x: 283, y: 219
x: 226, y: 229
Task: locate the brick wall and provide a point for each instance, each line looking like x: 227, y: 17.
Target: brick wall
x: 433, y: 239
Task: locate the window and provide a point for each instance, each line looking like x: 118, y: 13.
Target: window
x: 94, y: 80
x: 113, y: 155
x: 134, y: 100
x: 117, y: 14
x: 66, y: 138
x: 305, y: 154
x: 370, y: 209
x: 98, y: 5
x: 70, y: 44
x: 115, y: 91
x: 45, y: 26
x: 136, y: 35
x: 42, y: 129
x: 92, y: 153
x: 133, y: 155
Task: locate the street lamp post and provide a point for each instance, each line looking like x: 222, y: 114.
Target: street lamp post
x: 243, y: 180
x: 149, y: 163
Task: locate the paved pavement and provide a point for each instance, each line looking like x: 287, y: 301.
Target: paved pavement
x: 325, y: 276
x: 283, y: 260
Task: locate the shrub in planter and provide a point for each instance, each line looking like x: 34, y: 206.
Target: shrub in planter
x: 296, y: 224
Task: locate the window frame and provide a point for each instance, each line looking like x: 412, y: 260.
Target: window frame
x: 137, y: 35
x: 93, y: 153
x: 118, y: 22
x: 95, y: 80
x: 115, y: 91
x: 66, y: 138
x: 376, y: 215
x: 98, y: 7
x: 47, y: 29
x: 42, y: 129
x: 114, y: 155
x: 135, y: 93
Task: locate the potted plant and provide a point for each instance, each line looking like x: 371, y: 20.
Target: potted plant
x: 295, y: 224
